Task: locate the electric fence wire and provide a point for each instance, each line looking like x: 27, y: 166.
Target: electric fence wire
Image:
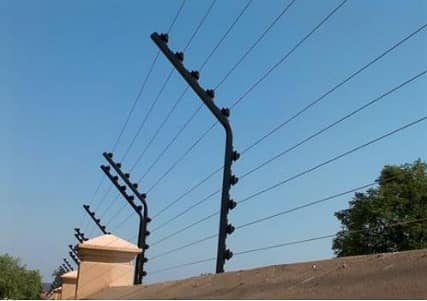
x: 404, y: 127
x: 106, y: 193
x: 304, y: 109
x: 150, y: 70
x: 342, y: 155
x: 291, y: 178
x: 275, y: 215
x: 275, y: 246
x: 274, y: 186
x: 198, y: 109
x: 181, y: 97
x: 102, y: 179
x: 163, y: 87
x: 252, y: 87
x: 221, y: 40
x: 177, y: 249
x: 282, y: 153
x: 334, y: 88
x: 92, y: 199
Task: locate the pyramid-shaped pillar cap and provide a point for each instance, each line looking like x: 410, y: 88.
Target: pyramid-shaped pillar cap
x: 69, y: 276
x: 107, y: 248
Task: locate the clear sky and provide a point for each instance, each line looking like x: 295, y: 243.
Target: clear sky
x: 70, y: 72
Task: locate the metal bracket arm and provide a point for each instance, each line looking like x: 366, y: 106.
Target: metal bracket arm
x: 96, y: 220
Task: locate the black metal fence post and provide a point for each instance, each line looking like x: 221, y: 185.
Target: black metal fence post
x: 73, y: 250
x: 74, y: 258
x: 67, y: 263
x: 57, y: 281
x: 231, y: 155
x: 142, y: 214
x: 66, y: 268
x: 80, y: 235
x: 96, y: 220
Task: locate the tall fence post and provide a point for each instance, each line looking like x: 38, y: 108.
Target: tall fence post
x: 141, y: 211
x: 96, y: 220
x: 207, y: 96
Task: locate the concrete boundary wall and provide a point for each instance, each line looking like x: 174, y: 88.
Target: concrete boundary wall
x: 400, y: 275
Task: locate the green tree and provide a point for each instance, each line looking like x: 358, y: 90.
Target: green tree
x: 16, y: 281
x: 379, y: 220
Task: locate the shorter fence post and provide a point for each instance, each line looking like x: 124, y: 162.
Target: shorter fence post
x: 80, y: 235
x: 142, y: 214
x: 70, y: 267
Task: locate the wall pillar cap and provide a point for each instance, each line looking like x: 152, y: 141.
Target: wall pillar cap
x: 69, y: 276
x: 107, y: 248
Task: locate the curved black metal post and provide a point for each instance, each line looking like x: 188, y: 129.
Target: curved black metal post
x: 142, y: 214
x: 222, y: 116
x: 96, y: 220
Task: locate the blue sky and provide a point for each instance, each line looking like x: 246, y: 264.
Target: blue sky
x: 71, y: 71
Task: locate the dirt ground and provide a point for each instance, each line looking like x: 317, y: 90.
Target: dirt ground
x: 400, y: 275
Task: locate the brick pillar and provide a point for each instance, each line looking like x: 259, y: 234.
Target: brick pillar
x: 105, y: 261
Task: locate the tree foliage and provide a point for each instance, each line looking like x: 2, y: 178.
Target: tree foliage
x: 16, y: 281
x: 379, y: 220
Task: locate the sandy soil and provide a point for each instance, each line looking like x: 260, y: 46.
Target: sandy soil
x: 400, y: 275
